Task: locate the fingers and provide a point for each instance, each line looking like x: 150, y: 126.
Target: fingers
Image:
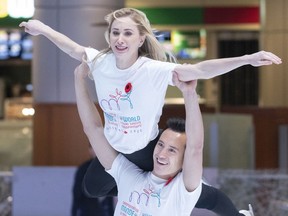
x: 194, y: 82
x: 83, y: 70
x: 84, y: 66
x: 262, y: 58
x: 184, y: 86
x: 23, y: 24
x: 81, y: 67
x: 80, y: 72
x: 265, y: 62
x: 175, y: 77
x: 268, y: 56
x: 276, y: 59
x: 178, y: 83
x: 78, y: 68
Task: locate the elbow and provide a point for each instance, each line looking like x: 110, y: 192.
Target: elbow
x: 87, y: 130
x: 77, y: 53
x: 90, y: 129
x: 200, y: 144
x: 197, y: 147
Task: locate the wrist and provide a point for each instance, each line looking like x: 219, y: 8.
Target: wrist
x: 246, y: 58
x: 46, y: 30
x: 190, y: 93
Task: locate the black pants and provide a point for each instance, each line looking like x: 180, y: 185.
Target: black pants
x: 97, y: 183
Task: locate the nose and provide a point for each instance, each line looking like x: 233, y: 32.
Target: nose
x: 120, y: 39
x: 162, y: 153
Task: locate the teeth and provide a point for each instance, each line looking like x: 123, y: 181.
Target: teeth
x: 121, y: 48
x: 161, y: 162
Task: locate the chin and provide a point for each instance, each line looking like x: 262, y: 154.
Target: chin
x: 161, y: 175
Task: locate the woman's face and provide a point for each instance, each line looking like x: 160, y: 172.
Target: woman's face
x: 125, y: 41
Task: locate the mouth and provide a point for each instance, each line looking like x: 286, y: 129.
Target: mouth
x: 161, y: 162
x: 121, y: 48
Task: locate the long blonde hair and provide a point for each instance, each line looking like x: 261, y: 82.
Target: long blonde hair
x: 151, y: 47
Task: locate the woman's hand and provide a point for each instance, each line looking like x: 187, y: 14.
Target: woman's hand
x: 33, y: 27
x: 262, y: 58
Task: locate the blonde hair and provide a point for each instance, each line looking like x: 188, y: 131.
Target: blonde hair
x: 151, y: 47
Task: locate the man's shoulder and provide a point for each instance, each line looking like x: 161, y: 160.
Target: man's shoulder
x: 124, y: 166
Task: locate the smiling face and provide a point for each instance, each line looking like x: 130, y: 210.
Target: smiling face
x: 168, y: 154
x: 125, y: 40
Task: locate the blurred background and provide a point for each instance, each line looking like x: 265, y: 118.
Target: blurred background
x: 245, y: 112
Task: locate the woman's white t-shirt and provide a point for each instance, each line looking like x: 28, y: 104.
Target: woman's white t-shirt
x: 131, y: 99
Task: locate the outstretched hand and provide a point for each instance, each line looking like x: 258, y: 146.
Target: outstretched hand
x: 263, y: 58
x: 33, y: 27
x: 184, y: 86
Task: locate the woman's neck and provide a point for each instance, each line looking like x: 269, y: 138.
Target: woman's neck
x: 125, y: 63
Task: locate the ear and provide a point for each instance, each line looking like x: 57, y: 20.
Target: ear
x: 142, y: 40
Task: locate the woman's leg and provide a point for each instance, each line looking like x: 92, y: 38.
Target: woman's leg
x: 216, y: 201
x: 97, y: 182
x: 144, y: 157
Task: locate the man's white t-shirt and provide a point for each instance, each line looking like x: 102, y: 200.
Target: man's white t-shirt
x: 143, y: 194
x: 132, y: 99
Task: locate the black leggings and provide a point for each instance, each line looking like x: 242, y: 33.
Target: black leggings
x: 97, y: 182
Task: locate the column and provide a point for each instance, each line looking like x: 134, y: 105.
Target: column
x: 274, y: 79
x: 58, y: 134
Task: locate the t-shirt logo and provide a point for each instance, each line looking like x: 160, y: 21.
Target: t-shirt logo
x: 145, y: 195
x: 114, y: 100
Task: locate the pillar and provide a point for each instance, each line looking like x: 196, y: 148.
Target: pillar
x: 58, y: 134
x: 274, y: 35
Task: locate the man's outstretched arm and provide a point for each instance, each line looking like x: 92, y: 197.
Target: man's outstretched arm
x: 91, y: 120
x: 193, y: 156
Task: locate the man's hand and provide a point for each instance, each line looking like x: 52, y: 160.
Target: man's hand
x: 189, y: 86
x: 81, y: 71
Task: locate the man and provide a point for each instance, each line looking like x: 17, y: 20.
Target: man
x: 174, y: 185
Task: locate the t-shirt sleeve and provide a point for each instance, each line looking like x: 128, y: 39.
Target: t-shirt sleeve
x: 91, y: 53
x: 161, y: 72
x: 122, y: 167
x: 185, y: 197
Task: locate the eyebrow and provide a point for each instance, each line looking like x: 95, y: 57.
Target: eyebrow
x: 173, y: 147
x: 127, y: 29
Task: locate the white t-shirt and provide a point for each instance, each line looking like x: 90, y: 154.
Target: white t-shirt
x: 143, y: 194
x: 132, y: 99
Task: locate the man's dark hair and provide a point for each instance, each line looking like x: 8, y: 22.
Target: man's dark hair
x: 176, y: 124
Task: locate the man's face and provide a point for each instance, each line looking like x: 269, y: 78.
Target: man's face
x: 168, y: 154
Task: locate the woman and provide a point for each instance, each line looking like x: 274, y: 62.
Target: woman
x: 131, y: 78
